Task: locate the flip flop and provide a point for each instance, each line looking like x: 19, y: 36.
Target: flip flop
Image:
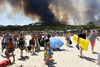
x: 77, y: 46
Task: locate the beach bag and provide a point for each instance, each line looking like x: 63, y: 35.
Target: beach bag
x: 21, y: 46
x: 5, y: 63
x: 30, y: 42
x: 70, y: 42
x: 38, y: 47
x: 42, y: 43
x: 28, y: 48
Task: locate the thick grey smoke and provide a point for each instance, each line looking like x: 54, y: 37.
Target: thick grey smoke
x: 53, y: 11
x: 67, y: 11
x: 93, y: 11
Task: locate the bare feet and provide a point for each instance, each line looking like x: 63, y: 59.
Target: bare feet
x: 14, y: 60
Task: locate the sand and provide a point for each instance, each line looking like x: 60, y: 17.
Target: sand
x: 68, y: 58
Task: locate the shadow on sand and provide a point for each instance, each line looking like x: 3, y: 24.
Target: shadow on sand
x: 39, y: 51
x: 23, y: 59
x: 51, y: 62
x: 3, y: 56
x: 71, y: 46
x: 95, y: 53
x: 34, y: 54
x: 7, y: 56
x: 89, y: 59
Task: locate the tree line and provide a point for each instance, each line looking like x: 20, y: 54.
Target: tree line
x: 49, y: 26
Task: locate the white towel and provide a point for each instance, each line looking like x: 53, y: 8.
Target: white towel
x: 35, y: 43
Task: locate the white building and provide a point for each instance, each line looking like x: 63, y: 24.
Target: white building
x: 96, y: 30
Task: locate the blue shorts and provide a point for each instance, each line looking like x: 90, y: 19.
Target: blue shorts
x: 67, y: 39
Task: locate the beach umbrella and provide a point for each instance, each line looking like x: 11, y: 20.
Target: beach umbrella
x: 56, y: 43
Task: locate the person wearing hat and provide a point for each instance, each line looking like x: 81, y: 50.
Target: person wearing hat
x: 82, y: 35
x: 92, y: 39
x: 6, y: 37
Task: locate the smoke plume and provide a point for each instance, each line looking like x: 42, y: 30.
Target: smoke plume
x: 55, y: 11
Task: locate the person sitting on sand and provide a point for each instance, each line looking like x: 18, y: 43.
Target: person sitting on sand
x: 10, y: 48
x: 49, y: 53
x: 92, y: 38
x: 21, y: 44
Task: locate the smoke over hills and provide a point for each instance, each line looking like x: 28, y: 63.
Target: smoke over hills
x: 58, y: 11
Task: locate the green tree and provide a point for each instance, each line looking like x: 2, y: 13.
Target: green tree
x: 28, y: 28
x: 91, y: 25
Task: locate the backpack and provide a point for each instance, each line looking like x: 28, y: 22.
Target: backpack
x: 5, y: 63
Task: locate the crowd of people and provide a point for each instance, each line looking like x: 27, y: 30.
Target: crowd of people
x: 11, y: 42
x: 91, y: 37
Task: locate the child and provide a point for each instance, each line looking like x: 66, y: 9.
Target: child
x: 49, y: 53
x: 21, y: 44
x: 10, y: 48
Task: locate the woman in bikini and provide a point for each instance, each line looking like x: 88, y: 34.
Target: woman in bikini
x: 33, y: 44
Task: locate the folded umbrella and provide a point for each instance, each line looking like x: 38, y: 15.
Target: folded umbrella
x: 56, y: 43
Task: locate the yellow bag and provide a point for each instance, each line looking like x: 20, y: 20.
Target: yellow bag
x: 45, y: 53
x: 82, y: 42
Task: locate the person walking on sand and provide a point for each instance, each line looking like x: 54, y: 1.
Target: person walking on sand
x: 33, y: 43
x: 36, y: 42
x: 82, y: 35
x: 21, y: 44
x: 5, y: 40
x: 15, y: 39
x: 39, y: 37
x: 49, y: 52
x: 68, y: 38
x: 93, y: 38
x: 10, y: 48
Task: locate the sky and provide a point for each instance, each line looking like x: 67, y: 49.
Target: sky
x: 7, y: 17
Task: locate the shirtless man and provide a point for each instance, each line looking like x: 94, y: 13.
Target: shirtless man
x: 68, y: 38
x: 10, y: 48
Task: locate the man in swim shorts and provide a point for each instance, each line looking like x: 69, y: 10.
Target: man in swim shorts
x: 68, y: 38
x: 92, y: 39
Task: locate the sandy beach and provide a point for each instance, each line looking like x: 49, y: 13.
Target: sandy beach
x: 68, y: 58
